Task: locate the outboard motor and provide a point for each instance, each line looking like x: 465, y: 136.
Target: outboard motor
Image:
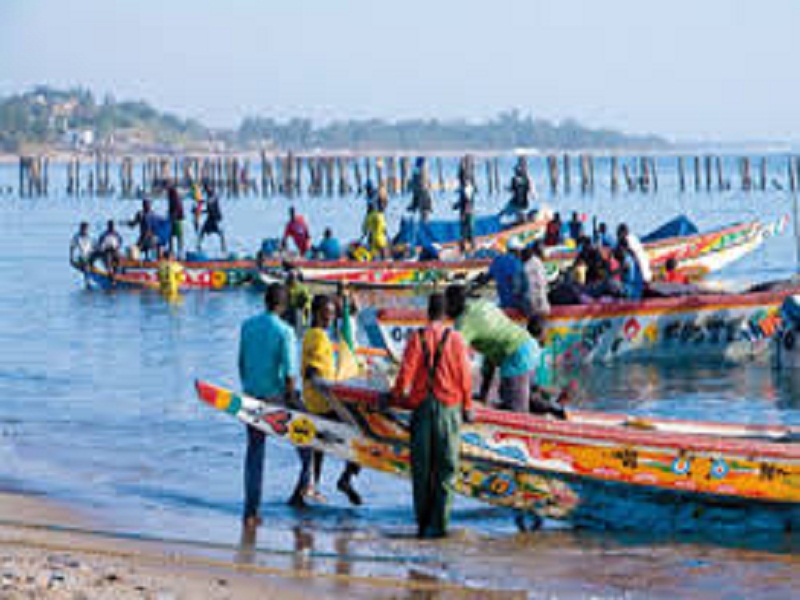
x: 786, y: 343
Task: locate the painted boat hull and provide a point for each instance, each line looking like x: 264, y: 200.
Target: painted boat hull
x: 696, y: 254
x: 725, y: 327
x: 595, y: 470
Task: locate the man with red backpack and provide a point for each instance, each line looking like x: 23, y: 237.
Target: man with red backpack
x: 436, y: 383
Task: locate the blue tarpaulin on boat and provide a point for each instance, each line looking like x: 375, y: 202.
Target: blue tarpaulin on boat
x: 678, y: 226
x: 415, y: 233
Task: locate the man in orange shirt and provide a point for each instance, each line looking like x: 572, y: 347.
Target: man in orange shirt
x: 435, y: 382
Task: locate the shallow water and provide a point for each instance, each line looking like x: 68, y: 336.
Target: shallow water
x: 97, y: 408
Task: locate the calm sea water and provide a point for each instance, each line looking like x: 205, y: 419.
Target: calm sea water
x: 97, y: 408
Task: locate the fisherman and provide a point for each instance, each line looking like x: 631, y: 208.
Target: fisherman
x: 671, y: 273
x: 552, y: 232
x: 521, y: 189
x: 197, y: 211
x: 435, y: 382
x: 299, y: 301
x: 628, y: 272
x: 632, y: 244
x: 375, y: 228
x: 503, y: 344
x: 267, y: 369
x: 329, y: 248
x: 466, y: 204
x: 176, y: 218
x: 575, y: 227
x: 508, y: 273
x: 536, y: 302
x: 318, y: 364
x: 109, y: 247
x: 297, y: 229
x: 145, y: 219
x: 213, y: 218
x: 81, y: 248
x: 601, y: 237
x: 421, y: 198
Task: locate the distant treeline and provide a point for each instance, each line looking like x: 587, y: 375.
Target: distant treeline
x: 48, y: 117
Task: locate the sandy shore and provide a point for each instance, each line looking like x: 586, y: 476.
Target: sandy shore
x: 48, y: 551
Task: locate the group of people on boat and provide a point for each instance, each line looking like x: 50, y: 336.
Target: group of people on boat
x: 157, y: 236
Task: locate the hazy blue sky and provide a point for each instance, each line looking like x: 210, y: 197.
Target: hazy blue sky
x: 705, y: 69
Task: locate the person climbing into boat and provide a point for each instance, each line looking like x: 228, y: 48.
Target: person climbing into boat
x: 435, y: 382
x: 552, y: 232
x: 632, y: 244
x: 81, y: 248
x: 170, y: 275
x: 298, y: 230
x: 109, y: 247
x: 145, y: 220
x: 329, y: 248
x: 421, y: 198
x: 465, y: 205
x: 503, y: 344
x: 213, y: 218
x: 375, y: 229
x: 176, y: 217
x: 521, y: 189
x: 575, y: 228
x: 267, y: 370
x: 317, y: 365
x: 535, y: 300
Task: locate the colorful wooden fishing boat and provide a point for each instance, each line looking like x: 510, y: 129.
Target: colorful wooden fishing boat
x: 133, y: 275
x: 722, y: 327
x: 696, y: 254
x: 597, y: 470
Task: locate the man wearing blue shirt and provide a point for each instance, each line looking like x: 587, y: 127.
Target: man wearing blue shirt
x: 509, y: 276
x: 267, y: 369
x: 329, y: 247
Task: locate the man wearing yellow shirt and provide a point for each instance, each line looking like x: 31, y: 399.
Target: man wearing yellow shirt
x: 318, y: 363
x: 375, y: 228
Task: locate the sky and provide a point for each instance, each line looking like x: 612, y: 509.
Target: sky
x: 686, y: 69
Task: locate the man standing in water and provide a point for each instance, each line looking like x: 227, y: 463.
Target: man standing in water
x: 267, y: 369
x: 176, y: 218
x: 435, y: 382
x: 421, y: 199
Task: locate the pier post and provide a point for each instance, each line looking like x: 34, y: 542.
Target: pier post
x: 568, y: 175
x: 763, y: 179
x: 614, y: 175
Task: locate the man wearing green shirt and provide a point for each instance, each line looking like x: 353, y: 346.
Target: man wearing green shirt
x: 503, y: 344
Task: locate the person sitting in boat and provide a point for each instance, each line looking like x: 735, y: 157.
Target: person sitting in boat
x: 298, y: 230
x: 145, y: 220
x: 575, y: 228
x: 421, y: 198
x: 109, y: 247
x: 213, y: 218
x: 552, y: 232
x: 435, y: 382
x: 628, y: 272
x: 317, y: 365
x: 671, y: 273
x: 329, y: 248
x: 502, y: 343
x: 81, y: 248
x: 521, y: 189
